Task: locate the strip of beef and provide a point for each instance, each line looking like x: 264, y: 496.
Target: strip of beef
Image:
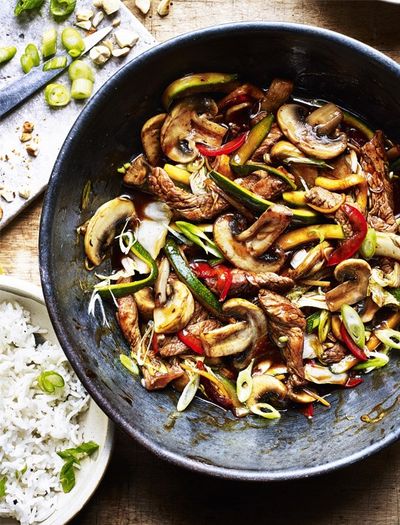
x: 264, y: 184
x: 171, y: 345
x: 278, y: 93
x: 373, y: 162
x: 265, y: 147
x: 286, y: 320
x: 333, y: 354
x: 128, y: 320
x: 185, y: 204
x: 158, y: 374
x: 323, y: 198
x: 248, y: 283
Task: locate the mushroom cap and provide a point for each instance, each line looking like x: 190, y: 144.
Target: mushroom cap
x: 176, y: 312
x: 291, y: 119
x: 265, y: 384
x: 236, y: 337
x: 145, y: 302
x: 354, y: 275
x: 150, y: 135
x: 237, y: 252
x: 101, y: 228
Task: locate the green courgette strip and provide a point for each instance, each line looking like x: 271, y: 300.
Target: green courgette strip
x: 254, y: 202
x: 123, y: 289
x: 185, y: 274
x: 250, y: 166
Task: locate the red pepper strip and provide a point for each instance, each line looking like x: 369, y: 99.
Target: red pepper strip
x: 220, y: 272
x: 308, y: 410
x: 154, y: 344
x: 351, y: 245
x: 225, y: 149
x: 224, y: 281
x: 353, y: 381
x: 348, y: 341
x: 191, y: 341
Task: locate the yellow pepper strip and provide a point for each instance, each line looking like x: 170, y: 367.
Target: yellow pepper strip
x: 362, y: 196
x: 177, y: 174
x: 290, y: 240
x: 391, y: 322
x: 208, y: 376
x: 311, y: 282
x: 335, y: 325
x: 298, y: 198
x: 339, y: 184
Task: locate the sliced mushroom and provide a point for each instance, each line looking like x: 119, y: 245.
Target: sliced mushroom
x: 176, y: 312
x: 325, y: 119
x: 237, y: 252
x: 267, y: 387
x: 354, y: 275
x: 137, y: 172
x: 150, y: 136
x: 101, y: 228
x: 160, y: 286
x: 313, y: 262
x: 321, y: 375
x: 237, y: 337
x: 278, y: 93
x: 266, y: 229
x: 292, y: 120
x: 145, y: 302
x: 188, y: 123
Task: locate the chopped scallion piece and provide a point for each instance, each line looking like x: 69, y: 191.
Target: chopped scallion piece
x: 49, y: 43
x: 55, y: 63
x: 81, y: 88
x: 32, y: 51
x: 354, y: 325
x: 376, y: 360
x: 197, y: 235
x: 57, y: 95
x: 62, y: 8
x: 49, y: 380
x: 26, y: 63
x: 389, y: 337
x: 73, y: 42
x: 265, y: 410
x: 85, y: 449
x: 129, y: 364
x: 244, y: 383
x: 79, y: 69
x: 188, y: 393
x: 3, y: 483
x: 7, y: 53
x: 324, y: 325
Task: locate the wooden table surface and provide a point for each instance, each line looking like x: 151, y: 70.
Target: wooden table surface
x: 140, y: 489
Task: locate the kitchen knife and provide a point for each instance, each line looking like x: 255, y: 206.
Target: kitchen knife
x: 16, y: 93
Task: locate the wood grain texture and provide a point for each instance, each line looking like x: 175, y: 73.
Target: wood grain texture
x: 138, y: 489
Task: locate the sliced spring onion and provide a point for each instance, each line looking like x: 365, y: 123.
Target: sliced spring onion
x: 354, y: 325
x: 26, y: 63
x: 7, y: 53
x: 80, y: 452
x: 49, y: 380
x: 73, y: 42
x: 3, y: 484
x: 389, y: 337
x: 244, y: 383
x: 376, y: 360
x: 197, y: 235
x: 324, y: 325
x: 32, y: 51
x: 49, y: 43
x: 265, y: 410
x: 55, y: 63
x: 57, y: 95
x: 129, y: 364
x: 368, y: 245
x: 81, y: 88
x: 62, y: 8
x: 188, y: 393
x: 80, y: 69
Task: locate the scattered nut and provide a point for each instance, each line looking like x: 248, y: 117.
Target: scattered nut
x: 126, y: 37
x: 1, y: 213
x: 32, y: 150
x: 25, y: 137
x: 143, y: 6
x: 98, y: 17
x: 116, y: 22
x: 108, y: 44
x: 7, y: 195
x: 111, y: 6
x: 118, y: 53
x: 163, y: 7
x: 84, y: 14
x: 27, y: 127
x: 100, y: 54
x: 85, y: 24
x: 24, y: 193
x: 98, y: 3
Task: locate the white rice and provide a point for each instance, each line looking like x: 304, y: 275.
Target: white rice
x: 33, y: 425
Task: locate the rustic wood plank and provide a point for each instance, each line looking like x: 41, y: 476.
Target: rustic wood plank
x: 138, y: 489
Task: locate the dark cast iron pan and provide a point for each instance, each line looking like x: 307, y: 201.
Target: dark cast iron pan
x: 204, y: 438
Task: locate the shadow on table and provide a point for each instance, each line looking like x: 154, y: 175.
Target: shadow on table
x: 140, y: 489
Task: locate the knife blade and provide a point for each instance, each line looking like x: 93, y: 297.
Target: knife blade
x: 16, y: 93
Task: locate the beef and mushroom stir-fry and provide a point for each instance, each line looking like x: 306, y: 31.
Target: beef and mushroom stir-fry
x: 256, y: 260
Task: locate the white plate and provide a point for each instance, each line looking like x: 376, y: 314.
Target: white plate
x: 96, y: 425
